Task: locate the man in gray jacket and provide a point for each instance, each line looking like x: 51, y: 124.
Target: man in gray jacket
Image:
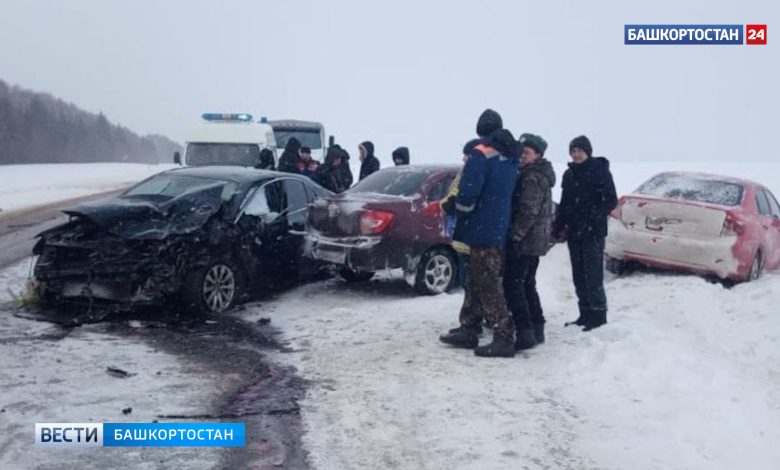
x: 529, y: 238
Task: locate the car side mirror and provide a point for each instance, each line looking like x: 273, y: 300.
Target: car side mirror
x: 177, y: 158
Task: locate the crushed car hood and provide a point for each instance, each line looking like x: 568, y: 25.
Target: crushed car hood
x: 143, y: 219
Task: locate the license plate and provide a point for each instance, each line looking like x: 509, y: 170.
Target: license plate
x: 81, y: 289
x: 331, y: 256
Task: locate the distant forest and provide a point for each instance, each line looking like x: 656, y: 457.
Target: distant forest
x: 39, y: 128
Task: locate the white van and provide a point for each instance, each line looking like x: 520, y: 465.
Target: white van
x: 309, y: 134
x: 228, y: 139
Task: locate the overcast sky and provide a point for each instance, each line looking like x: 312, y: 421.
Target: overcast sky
x: 411, y: 73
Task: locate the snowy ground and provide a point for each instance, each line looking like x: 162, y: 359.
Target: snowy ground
x: 26, y: 186
x: 685, y: 376
x: 54, y: 374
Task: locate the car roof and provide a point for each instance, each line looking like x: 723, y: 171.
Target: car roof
x: 239, y: 174
x: 424, y: 167
x: 711, y: 176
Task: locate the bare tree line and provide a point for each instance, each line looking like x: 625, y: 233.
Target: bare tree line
x: 39, y: 128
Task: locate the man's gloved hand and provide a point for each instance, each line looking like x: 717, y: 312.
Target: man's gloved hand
x: 448, y: 207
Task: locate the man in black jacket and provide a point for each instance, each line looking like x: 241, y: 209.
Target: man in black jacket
x: 369, y: 163
x: 290, y: 158
x: 588, y: 198
x: 529, y: 238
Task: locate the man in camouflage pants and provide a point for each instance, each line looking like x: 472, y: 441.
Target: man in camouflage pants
x: 484, y: 203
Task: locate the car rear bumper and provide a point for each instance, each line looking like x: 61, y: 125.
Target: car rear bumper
x: 703, y: 256
x: 362, y: 253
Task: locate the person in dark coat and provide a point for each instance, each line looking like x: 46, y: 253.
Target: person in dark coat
x: 588, y: 198
x: 401, y: 156
x: 306, y: 165
x: 290, y: 158
x: 530, y: 236
x: 344, y: 169
x: 484, y: 201
x: 330, y: 175
x: 266, y: 160
x: 369, y: 163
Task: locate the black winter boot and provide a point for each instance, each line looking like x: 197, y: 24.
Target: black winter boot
x: 526, y: 339
x: 476, y: 328
x: 500, y: 347
x: 462, y: 337
x: 581, y: 320
x: 539, y: 332
x: 596, y: 318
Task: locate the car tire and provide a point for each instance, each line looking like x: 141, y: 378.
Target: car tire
x: 616, y: 266
x: 351, y: 275
x: 755, y: 268
x: 213, y: 288
x: 437, y: 272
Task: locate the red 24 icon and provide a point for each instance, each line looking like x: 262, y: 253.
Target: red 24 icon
x: 755, y: 34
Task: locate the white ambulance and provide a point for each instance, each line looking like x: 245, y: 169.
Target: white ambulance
x: 228, y: 139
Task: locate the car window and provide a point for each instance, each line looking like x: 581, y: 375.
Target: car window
x: 405, y: 182
x: 258, y: 204
x: 296, y: 201
x: 266, y: 199
x: 763, y: 204
x: 774, y: 207
x: 693, y: 188
x: 439, y: 190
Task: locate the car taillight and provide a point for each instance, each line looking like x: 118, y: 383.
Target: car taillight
x: 617, y: 212
x: 732, y: 226
x: 375, y: 222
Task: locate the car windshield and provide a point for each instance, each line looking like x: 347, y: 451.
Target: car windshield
x: 392, y: 182
x: 200, y: 154
x: 307, y: 137
x: 693, y: 188
x: 166, y: 186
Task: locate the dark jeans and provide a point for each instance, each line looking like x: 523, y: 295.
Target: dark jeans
x: 485, y: 293
x: 520, y: 291
x: 587, y: 268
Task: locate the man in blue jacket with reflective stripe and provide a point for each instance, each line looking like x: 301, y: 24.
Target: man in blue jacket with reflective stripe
x: 484, y: 203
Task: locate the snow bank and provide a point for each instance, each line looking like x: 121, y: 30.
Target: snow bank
x: 686, y: 375
x: 25, y: 186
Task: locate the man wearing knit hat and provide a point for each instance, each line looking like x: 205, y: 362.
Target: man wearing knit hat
x: 484, y: 204
x: 588, y: 198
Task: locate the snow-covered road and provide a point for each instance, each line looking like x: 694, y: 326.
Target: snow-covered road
x: 685, y: 376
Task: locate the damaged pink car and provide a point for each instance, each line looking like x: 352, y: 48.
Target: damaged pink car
x: 715, y: 226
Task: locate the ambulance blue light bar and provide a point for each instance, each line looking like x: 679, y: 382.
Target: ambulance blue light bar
x: 227, y: 117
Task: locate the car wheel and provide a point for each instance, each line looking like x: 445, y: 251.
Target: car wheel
x: 436, y: 273
x: 350, y: 275
x: 755, y: 268
x: 616, y: 266
x: 213, y: 288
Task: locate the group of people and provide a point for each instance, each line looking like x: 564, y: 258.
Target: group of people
x: 334, y: 173
x: 502, y: 209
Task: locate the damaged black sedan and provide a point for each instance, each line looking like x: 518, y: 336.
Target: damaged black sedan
x: 199, y: 239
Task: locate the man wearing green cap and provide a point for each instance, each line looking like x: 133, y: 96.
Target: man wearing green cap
x: 529, y: 238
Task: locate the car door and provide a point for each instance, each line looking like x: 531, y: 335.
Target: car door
x: 766, y: 227
x: 295, y: 212
x: 264, y: 226
x: 773, y: 229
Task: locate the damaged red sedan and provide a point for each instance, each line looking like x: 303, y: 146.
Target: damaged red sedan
x: 200, y: 238
x: 389, y: 220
